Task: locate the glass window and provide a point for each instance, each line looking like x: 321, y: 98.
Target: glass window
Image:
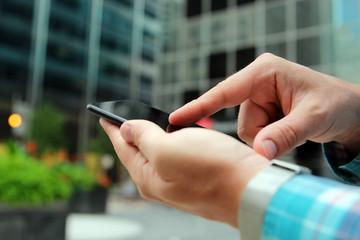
x: 107, y: 93
x: 14, y: 76
x: 279, y: 49
x: 113, y: 71
x: 65, y: 55
x: 307, y: 14
x: 246, y: 23
x: 116, y: 43
x: 168, y: 72
x: 217, y: 65
x: 220, y: 115
x: 147, y: 54
x: 308, y: 51
x: 16, y: 40
x: 60, y: 85
x: 168, y: 101
x: 146, y: 89
x: 169, y: 41
x: 190, y: 95
x: 128, y: 3
x: 108, y: 43
x: 193, y: 8
x: 217, y: 5
x: 218, y: 31
x: 244, y: 57
x: 145, y: 98
x: 74, y: 4
x: 67, y: 28
x: 119, y: 24
x: 275, y: 19
x: 150, y: 9
x: 242, y: 2
x: 149, y: 38
x: 20, y: 9
x: 146, y: 83
x: 193, y: 37
x: 326, y: 9
x: 194, y: 69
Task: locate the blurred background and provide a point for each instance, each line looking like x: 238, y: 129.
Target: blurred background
x: 58, y: 55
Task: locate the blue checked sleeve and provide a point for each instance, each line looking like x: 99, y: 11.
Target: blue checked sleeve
x: 309, y: 207
x: 344, y: 164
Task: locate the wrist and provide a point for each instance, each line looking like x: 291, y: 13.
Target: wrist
x: 258, y: 194
x: 244, y: 173
x: 350, y: 138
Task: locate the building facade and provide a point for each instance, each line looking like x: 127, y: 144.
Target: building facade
x: 214, y: 39
x: 162, y: 52
x: 72, y: 52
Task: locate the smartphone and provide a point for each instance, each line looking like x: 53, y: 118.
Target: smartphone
x: 120, y: 111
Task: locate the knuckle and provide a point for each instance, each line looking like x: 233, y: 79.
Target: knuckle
x: 161, y: 152
x: 145, y: 190
x: 289, y: 135
x: 266, y: 57
x: 166, y: 191
x: 244, y: 135
x: 241, y: 132
x: 144, y: 193
x: 269, y: 62
x: 221, y: 88
x: 137, y: 136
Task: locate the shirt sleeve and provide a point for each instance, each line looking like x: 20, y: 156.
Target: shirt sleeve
x: 344, y: 164
x: 309, y: 207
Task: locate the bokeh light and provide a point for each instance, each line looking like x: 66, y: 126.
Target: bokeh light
x: 15, y: 120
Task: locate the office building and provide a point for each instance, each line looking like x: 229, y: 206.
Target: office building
x: 71, y: 52
x: 163, y: 52
x: 214, y: 39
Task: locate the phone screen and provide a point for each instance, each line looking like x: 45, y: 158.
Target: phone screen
x: 122, y: 110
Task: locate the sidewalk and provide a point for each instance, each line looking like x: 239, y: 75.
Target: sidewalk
x: 144, y: 220
x: 100, y: 226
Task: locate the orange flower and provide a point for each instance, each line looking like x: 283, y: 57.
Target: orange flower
x: 48, y: 158
x: 31, y: 147
x: 62, y: 156
x: 103, y: 180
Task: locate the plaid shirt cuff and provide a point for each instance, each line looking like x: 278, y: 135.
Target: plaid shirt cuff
x: 309, y: 207
x: 344, y: 164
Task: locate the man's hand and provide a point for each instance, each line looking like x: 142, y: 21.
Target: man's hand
x: 283, y: 105
x: 200, y: 171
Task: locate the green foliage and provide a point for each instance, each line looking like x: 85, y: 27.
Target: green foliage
x: 101, y: 143
x: 47, y: 127
x: 27, y: 181
x: 76, y: 174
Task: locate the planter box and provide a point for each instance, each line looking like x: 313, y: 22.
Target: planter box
x: 93, y: 201
x: 33, y: 223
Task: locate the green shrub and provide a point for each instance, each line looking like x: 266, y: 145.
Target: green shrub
x: 47, y: 129
x: 76, y: 174
x: 27, y: 181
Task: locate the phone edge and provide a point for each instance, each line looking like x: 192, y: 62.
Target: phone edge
x: 105, y: 114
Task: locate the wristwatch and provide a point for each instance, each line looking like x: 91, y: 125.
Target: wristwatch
x: 258, y: 194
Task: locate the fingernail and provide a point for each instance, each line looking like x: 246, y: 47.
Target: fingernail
x: 270, y: 149
x: 126, y: 132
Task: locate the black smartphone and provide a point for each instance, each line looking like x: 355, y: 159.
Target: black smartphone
x: 120, y: 111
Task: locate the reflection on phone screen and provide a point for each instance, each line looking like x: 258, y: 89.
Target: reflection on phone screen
x: 123, y: 110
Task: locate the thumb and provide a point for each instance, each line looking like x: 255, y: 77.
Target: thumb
x: 142, y: 134
x: 281, y: 136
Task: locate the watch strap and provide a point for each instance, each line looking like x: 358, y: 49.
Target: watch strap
x: 258, y: 194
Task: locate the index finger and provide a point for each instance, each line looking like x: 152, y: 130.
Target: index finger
x: 228, y: 93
